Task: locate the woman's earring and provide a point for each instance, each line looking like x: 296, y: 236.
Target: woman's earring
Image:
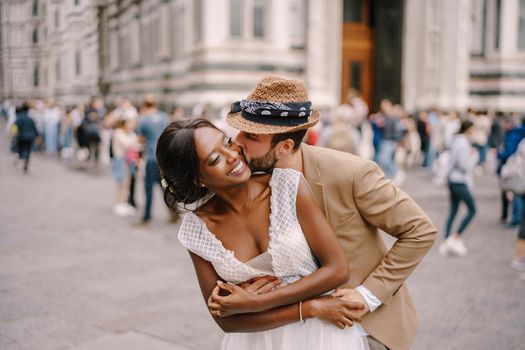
x: 203, y: 185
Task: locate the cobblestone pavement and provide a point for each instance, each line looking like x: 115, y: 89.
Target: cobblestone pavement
x: 74, y: 276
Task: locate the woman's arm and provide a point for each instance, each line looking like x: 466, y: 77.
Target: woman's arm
x: 333, y: 271
x: 333, y: 310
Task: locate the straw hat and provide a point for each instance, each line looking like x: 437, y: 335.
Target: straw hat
x: 276, y: 105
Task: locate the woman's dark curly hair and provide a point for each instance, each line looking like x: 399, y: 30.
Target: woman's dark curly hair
x: 179, y: 163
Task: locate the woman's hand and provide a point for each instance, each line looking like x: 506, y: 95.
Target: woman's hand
x: 238, y: 301
x: 337, y: 311
x: 261, y: 285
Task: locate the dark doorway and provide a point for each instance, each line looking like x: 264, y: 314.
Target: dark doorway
x: 388, y: 38
x: 372, y: 49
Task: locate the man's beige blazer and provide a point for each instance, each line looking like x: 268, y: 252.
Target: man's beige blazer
x: 358, y: 200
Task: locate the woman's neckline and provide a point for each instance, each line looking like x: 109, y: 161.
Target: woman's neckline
x: 270, y: 184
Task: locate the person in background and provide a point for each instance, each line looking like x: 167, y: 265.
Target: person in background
x: 480, y: 135
x: 377, y: 121
x: 358, y: 105
x: 52, y: 116
x: 423, y: 129
x: 463, y: 159
x: 90, y: 129
x: 518, y: 263
x: 124, y: 110
x: 66, y: 134
x: 340, y: 134
x: 410, y: 149
x: 514, y: 133
x: 451, y: 124
x: 391, y: 135
x: 435, y: 130
x: 26, y: 134
x: 497, y: 134
x: 151, y: 125
x: 125, y: 143
x: 36, y: 112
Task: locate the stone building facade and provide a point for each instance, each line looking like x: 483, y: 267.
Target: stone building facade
x: 49, y: 49
x: 449, y: 54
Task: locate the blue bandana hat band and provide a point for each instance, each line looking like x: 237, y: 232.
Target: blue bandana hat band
x: 273, y: 113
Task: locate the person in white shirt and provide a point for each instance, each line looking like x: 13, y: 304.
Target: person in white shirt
x: 463, y: 159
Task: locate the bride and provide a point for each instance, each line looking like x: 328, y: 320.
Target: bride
x: 245, y: 227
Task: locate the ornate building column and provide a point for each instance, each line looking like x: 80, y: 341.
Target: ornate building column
x: 323, y: 61
x: 437, y: 54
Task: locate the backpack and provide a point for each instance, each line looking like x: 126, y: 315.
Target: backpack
x: 513, y: 171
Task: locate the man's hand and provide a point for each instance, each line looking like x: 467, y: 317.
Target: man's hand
x: 261, y: 285
x: 354, y: 296
x: 337, y: 311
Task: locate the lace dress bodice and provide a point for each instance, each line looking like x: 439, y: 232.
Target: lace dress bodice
x: 291, y: 257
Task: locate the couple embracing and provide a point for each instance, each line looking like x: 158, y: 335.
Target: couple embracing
x: 284, y: 237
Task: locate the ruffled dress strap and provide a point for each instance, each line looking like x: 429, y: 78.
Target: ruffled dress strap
x: 195, y: 237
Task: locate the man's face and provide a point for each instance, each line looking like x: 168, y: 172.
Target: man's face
x: 257, y: 150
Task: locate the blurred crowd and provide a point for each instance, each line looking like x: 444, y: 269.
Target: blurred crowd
x: 123, y: 137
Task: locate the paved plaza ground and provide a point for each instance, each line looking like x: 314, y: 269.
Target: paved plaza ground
x: 74, y: 276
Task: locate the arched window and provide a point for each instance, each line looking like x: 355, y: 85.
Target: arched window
x: 521, y: 26
x: 78, y: 63
x: 248, y: 19
x: 259, y: 18
x: 36, y: 75
x: 236, y: 18
x: 197, y: 21
x: 35, y: 8
x: 35, y: 36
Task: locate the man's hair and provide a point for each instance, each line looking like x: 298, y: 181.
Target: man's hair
x: 296, y: 136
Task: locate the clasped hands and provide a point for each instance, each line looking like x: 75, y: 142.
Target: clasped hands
x: 342, y: 308
x: 228, y: 299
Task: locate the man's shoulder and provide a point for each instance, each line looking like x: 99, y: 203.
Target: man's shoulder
x: 333, y: 159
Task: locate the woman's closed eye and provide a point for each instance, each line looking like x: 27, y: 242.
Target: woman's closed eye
x: 228, y: 143
x: 215, y: 160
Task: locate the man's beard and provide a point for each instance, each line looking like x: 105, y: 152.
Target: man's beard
x: 264, y: 164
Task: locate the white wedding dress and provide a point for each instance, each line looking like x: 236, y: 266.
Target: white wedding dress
x: 289, y: 258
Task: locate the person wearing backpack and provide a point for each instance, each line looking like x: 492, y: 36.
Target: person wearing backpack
x: 463, y: 159
x: 514, y: 133
x: 517, y: 184
x: 26, y: 134
x: 518, y: 263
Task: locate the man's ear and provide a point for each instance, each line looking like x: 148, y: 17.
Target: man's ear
x: 285, y: 146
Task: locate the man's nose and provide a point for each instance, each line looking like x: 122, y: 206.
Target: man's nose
x: 232, y: 154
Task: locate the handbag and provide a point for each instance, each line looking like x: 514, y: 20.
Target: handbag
x: 132, y: 156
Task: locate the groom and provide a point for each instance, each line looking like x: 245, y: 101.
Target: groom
x: 355, y: 197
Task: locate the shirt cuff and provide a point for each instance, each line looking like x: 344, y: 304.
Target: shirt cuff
x: 371, y: 300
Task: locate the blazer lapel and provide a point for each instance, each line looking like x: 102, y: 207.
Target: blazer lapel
x: 312, y: 176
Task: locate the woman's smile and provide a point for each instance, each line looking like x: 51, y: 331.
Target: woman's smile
x: 238, y: 169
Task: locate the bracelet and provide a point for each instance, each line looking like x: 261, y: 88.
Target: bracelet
x: 301, y: 312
